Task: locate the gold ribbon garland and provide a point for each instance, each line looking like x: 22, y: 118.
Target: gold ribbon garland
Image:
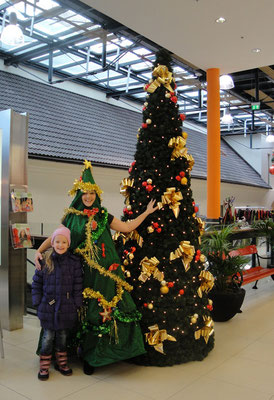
x: 171, y: 198
x: 163, y: 77
x: 156, y: 337
x: 186, y: 251
x: 149, y: 267
x: 207, y: 282
x: 206, y: 331
x: 124, y: 189
x: 179, y: 147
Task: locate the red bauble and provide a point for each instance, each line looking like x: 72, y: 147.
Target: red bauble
x: 181, y: 291
x: 133, y: 163
x: 175, y: 86
x: 178, y: 178
x: 182, y: 174
x: 271, y: 170
x: 209, y: 307
x: 130, y: 212
x: 159, y: 230
x: 129, y: 170
x: 196, y: 209
x: 170, y: 284
x: 133, y: 249
x: 183, y: 117
x: 144, y: 125
x: 145, y: 304
x: 149, y: 188
x: 125, y: 210
x: 197, y: 257
x: 198, y: 252
x: 144, y: 183
x: 174, y: 99
x: 125, y: 252
x: 155, y: 225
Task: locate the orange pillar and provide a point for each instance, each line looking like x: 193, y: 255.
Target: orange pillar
x: 213, y: 144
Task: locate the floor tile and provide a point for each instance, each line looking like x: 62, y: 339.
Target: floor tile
x: 210, y: 389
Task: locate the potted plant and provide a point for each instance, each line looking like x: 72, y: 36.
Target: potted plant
x: 227, y: 294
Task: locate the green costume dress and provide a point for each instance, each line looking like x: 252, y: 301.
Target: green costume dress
x: 109, y: 330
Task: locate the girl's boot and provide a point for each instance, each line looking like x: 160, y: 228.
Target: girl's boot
x: 61, y: 363
x: 45, y: 361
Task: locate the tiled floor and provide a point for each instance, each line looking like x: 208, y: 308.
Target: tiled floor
x: 240, y: 367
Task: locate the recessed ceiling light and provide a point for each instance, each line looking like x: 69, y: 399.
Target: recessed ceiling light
x: 220, y: 20
x: 257, y: 50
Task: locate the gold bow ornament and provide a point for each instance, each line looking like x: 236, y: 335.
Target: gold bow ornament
x: 133, y: 235
x: 162, y: 77
x: 178, y: 143
x: 207, y: 282
x: 206, y: 331
x: 125, y: 185
x: 149, y: 267
x: 171, y: 198
x: 157, y: 336
x: 186, y: 251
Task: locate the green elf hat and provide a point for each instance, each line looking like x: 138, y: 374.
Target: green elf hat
x: 86, y: 182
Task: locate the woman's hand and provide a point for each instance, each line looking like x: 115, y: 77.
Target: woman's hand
x: 150, y: 207
x: 37, y: 258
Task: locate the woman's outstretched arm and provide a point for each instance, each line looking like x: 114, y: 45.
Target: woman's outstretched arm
x: 129, y: 226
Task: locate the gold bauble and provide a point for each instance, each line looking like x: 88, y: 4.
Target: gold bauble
x: 164, y: 290
x: 148, y: 121
x: 149, y: 181
x: 202, y: 258
x: 185, y: 135
x: 129, y: 207
x: 167, y: 95
x: 210, y: 302
x: 125, y: 262
x: 184, y: 181
x: 193, y: 320
x: 146, y: 104
x: 127, y: 273
x: 131, y: 256
x: 163, y: 283
x: 195, y: 315
x: 150, y: 306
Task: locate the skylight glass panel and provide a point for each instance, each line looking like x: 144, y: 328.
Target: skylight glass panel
x: 140, y: 66
x: 142, y: 51
x: 52, y: 26
x: 127, y: 58
x: 122, y: 81
x: 146, y: 76
x: 77, y: 69
x: 139, y: 95
x: 65, y: 59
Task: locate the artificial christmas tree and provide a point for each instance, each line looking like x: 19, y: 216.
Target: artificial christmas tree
x: 162, y: 259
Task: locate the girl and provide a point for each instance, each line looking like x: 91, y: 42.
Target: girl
x: 110, y: 330
x: 57, y: 291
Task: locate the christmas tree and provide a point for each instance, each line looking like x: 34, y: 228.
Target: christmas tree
x: 162, y: 259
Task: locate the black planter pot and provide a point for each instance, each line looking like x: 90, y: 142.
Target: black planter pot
x: 226, y: 304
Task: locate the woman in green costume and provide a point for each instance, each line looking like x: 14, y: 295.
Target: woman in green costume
x: 109, y: 329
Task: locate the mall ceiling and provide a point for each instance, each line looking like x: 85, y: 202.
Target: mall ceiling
x: 72, y: 41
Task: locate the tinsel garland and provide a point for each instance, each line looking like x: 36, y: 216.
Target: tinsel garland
x: 122, y: 316
x: 106, y: 328
x: 92, y: 294
x: 100, y: 224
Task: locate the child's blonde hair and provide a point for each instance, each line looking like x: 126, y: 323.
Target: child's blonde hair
x: 48, y: 261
